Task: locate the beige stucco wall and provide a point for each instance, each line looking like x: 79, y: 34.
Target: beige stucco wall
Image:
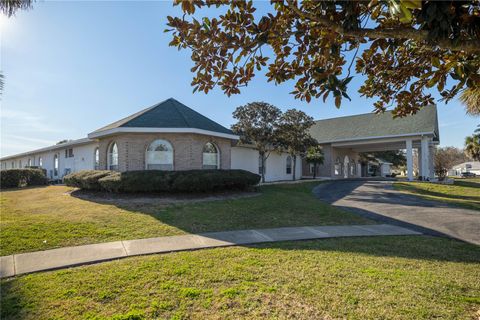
x: 328, y: 167
x: 187, y: 150
x: 341, y: 153
x: 324, y: 170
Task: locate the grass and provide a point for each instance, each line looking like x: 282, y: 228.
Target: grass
x: 356, y: 278
x: 464, y: 192
x: 46, y: 217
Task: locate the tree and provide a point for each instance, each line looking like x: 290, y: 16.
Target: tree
x: 396, y: 158
x: 10, y: 7
x: 315, y: 156
x: 256, y: 125
x: 293, y: 134
x: 472, y: 145
x: 470, y: 97
x: 406, y: 47
x: 446, y: 158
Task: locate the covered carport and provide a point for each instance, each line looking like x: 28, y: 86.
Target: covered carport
x: 348, y: 136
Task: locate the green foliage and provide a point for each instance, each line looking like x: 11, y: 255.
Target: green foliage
x: 404, y: 47
x: 472, y: 145
x: 86, y: 179
x: 315, y: 156
x: 293, y: 134
x: 15, y: 178
x: 397, y: 158
x: 156, y: 181
x: 256, y: 125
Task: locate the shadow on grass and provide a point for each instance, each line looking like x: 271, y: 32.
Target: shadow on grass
x: 17, y: 295
x: 274, y: 206
x: 443, y: 195
x: 409, y: 247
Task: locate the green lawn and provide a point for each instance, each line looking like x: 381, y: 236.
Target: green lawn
x: 411, y: 277
x: 48, y: 217
x: 464, y: 192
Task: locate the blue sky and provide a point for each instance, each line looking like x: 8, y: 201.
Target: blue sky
x: 72, y: 67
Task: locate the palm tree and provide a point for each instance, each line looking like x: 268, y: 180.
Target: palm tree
x: 472, y: 145
x: 9, y: 7
x: 470, y: 97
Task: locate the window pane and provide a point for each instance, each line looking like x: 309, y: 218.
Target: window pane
x: 210, y: 156
x: 159, y: 155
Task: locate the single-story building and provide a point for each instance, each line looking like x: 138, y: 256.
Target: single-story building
x: 172, y: 136
x: 470, y: 166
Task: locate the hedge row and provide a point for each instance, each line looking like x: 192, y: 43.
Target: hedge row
x: 163, y: 181
x: 15, y: 178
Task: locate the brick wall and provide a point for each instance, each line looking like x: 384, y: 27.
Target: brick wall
x: 187, y: 149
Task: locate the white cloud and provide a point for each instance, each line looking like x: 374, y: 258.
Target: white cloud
x: 22, y: 121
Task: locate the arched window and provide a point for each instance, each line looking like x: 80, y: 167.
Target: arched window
x: 55, y: 165
x: 211, y: 156
x: 113, y: 156
x: 159, y: 155
x: 13, y: 164
x: 353, y: 168
x: 289, y: 165
x: 338, y: 167
x: 40, y: 162
x: 96, y: 159
x: 29, y: 163
x: 20, y: 164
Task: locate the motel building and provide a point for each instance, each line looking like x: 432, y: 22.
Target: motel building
x: 172, y: 136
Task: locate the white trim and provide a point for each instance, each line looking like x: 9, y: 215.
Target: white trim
x: 380, y: 137
x: 161, y: 130
x: 51, y: 148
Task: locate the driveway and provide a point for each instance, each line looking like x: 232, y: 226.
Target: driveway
x: 378, y: 200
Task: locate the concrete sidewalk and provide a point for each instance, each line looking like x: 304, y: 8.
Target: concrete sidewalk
x: 73, y: 256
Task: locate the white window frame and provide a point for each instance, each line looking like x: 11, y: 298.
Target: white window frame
x: 112, y: 159
x: 168, y: 154
x: 207, y: 154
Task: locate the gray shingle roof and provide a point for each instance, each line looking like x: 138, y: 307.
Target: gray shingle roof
x: 167, y: 114
x: 375, y: 126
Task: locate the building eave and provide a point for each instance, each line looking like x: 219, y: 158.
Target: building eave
x: 72, y: 143
x: 119, y: 130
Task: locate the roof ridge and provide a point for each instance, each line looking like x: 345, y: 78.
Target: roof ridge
x: 180, y: 112
x: 372, y: 113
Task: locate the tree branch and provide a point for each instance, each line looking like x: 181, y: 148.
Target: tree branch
x: 387, y: 33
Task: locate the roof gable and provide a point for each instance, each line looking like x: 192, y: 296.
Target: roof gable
x: 167, y: 114
x: 376, y: 126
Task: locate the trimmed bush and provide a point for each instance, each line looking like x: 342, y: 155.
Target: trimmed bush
x: 154, y: 181
x: 15, y: 178
x: 86, y: 179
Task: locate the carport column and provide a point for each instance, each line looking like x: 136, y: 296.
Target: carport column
x: 409, y: 159
x: 431, y: 163
x: 425, y: 158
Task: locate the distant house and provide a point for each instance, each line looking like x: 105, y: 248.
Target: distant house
x: 471, y: 166
x: 172, y: 136
x: 378, y: 168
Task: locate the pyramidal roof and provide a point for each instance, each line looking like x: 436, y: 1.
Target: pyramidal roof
x: 169, y: 114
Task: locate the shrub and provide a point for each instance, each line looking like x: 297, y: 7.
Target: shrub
x: 163, y: 181
x: 14, y: 178
x: 86, y: 179
x: 138, y: 181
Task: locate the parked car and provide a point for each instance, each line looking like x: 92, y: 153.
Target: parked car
x: 468, y: 175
